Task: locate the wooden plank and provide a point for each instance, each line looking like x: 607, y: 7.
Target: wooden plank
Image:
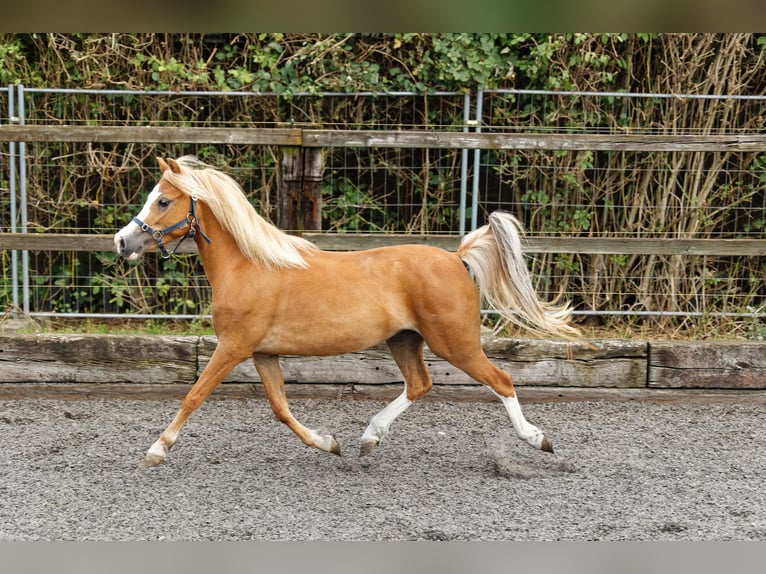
x: 73, y: 359
x: 68, y: 242
x: 384, y: 138
x: 612, y: 363
x: 649, y: 246
x: 577, y: 245
x: 531, y: 141
x: 354, y: 241
x: 707, y: 364
x: 523, y: 349
x: 151, y: 134
x: 618, y: 364
x: 67, y: 358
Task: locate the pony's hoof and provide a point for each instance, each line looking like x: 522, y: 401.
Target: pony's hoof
x: 151, y: 460
x: 334, y: 446
x: 546, y: 446
x: 367, y: 447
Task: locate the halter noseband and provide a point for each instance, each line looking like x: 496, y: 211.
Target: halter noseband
x: 190, y: 220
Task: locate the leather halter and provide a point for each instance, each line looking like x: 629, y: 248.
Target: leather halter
x: 190, y: 220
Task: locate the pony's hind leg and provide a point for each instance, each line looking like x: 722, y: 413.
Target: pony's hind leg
x: 482, y: 370
x: 407, y: 350
x: 274, y: 384
x: 468, y: 356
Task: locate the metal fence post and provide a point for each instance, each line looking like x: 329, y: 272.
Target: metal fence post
x: 23, y: 204
x: 476, y: 163
x: 464, y: 166
x: 13, y: 118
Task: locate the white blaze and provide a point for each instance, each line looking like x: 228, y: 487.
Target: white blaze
x: 133, y: 227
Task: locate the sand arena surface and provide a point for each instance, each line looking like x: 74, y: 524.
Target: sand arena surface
x: 448, y: 471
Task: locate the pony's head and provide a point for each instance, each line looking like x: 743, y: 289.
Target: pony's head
x: 168, y: 214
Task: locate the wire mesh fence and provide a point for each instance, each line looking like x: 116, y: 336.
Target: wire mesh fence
x: 635, y: 194
x: 95, y: 187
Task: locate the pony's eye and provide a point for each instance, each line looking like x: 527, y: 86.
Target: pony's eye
x: 162, y: 203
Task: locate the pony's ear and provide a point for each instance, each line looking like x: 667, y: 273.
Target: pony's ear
x: 175, y: 167
x: 170, y: 164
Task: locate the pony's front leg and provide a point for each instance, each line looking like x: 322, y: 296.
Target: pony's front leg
x: 219, y: 366
x: 274, y: 385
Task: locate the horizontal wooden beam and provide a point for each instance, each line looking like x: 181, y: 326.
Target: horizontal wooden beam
x: 581, y: 245
x: 151, y: 134
x: 707, y: 364
x: 529, y: 141
x: 384, y: 138
x: 354, y: 242
x: 653, y: 246
x: 59, y: 242
x: 77, y: 362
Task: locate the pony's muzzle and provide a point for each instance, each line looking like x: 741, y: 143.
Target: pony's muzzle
x: 128, y: 249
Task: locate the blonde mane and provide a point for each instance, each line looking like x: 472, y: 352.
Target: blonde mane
x: 259, y: 240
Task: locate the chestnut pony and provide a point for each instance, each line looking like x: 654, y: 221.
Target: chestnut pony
x: 276, y: 294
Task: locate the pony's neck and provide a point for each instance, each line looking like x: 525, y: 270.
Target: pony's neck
x: 222, y: 253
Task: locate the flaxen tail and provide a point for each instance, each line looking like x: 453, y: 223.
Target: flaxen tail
x: 493, y: 252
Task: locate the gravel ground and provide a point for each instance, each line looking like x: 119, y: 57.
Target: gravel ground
x: 448, y: 471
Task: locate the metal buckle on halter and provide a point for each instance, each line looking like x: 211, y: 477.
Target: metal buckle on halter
x: 194, y: 225
x: 191, y: 219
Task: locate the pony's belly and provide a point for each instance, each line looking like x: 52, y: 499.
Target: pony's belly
x: 334, y: 323
x: 325, y: 340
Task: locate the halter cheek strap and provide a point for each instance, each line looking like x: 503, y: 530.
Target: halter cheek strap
x: 190, y: 220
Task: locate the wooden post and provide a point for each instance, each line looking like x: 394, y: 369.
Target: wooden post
x: 300, y: 189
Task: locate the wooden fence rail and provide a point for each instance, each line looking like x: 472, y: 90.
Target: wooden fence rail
x: 383, y: 138
x: 353, y: 241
